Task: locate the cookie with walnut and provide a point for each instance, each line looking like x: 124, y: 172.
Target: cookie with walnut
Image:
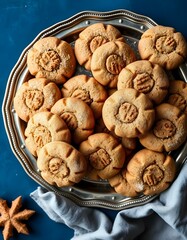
x: 163, y: 45
x: 169, y: 130
x: 104, y: 154
x: 36, y: 95
x: 128, y: 113
x: 178, y: 94
x: 87, y: 89
x: 93, y: 37
x: 52, y: 58
x: 146, y: 77
x: 150, y: 172
x: 108, y: 60
x: 45, y: 127
x: 77, y: 115
x: 61, y: 164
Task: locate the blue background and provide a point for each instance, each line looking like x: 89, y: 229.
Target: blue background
x: 20, y: 23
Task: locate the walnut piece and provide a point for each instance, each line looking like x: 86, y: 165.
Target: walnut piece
x: 164, y: 129
x: 41, y: 136
x: 33, y: 99
x: 127, y: 112
x: 152, y: 175
x: 97, y: 42
x: 165, y: 44
x: 143, y: 82
x: 49, y: 60
x: 115, y: 64
x: 58, y: 167
x: 99, y: 159
x: 70, y: 120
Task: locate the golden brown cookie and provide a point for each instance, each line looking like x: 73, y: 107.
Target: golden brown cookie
x: 145, y: 77
x: 52, y: 58
x: 164, y: 46
x: 178, y: 94
x: 36, y: 95
x: 45, y: 127
x: 78, y: 117
x: 128, y: 113
x: 108, y: 60
x: 61, y: 164
x: 150, y: 172
x: 91, y: 38
x: 87, y: 89
x: 121, y: 186
x: 169, y: 130
x: 104, y: 154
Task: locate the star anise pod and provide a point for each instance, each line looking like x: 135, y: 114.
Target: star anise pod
x: 10, y: 218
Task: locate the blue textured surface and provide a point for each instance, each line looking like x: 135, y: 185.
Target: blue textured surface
x: 20, y: 23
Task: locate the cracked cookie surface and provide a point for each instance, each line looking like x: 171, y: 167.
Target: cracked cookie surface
x: 164, y: 46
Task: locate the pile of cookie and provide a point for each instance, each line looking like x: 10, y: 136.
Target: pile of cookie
x: 119, y: 122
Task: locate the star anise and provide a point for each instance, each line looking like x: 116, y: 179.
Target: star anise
x: 10, y: 218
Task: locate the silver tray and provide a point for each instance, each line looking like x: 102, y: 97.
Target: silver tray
x: 86, y: 193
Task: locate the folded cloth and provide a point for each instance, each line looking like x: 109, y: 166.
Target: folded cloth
x: 164, y: 218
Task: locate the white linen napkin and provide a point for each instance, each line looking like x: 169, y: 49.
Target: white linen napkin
x: 164, y: 218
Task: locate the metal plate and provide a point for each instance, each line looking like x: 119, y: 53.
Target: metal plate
x: 86, y: 193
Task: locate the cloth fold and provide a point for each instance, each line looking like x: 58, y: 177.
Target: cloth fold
x: 163, y: 218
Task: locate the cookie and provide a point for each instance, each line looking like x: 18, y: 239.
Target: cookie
x: 178, y: 95
x: 36, y: 95
x: 104, y: 154
x: 61, y: 164
x: 45, y: 127
x: 87, y: 89
x: 121, y: 186
x: 108, y: 60
x: 91, y: 38
x: 78, y: 117
x: 128, y: 113
x: 146, y: 77
x: 150, y: 172
x: 169, y: 130
x: 52, y: 58
x: 164, y: 46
